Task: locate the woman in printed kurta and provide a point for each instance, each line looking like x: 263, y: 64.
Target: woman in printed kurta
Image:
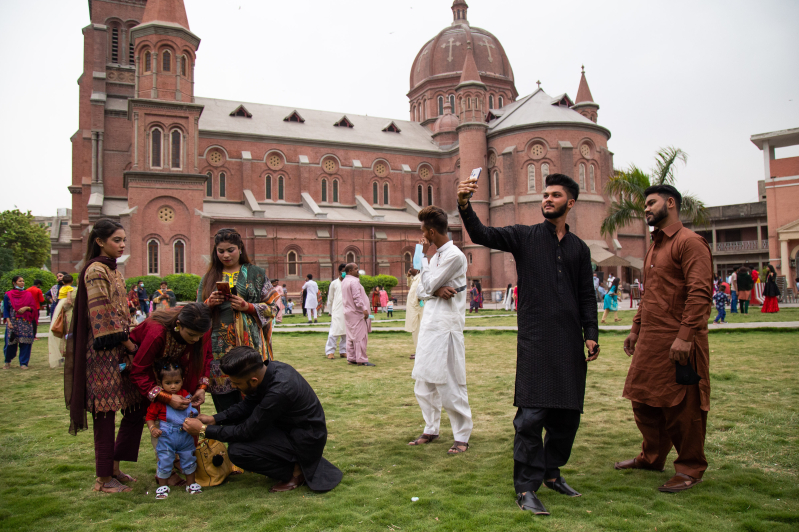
x: 611, y: 303
x: 280, y: 302
x: 242, y: 318
x: 96, y: 373
x: 20, y: 317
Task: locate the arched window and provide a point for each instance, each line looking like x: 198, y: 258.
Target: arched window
x: 291, y: 263
x: 222, y: 185
x: 452, y: 103
x: 280, y: 188
x: 180, y: 256
x: 335, y: 191
x: 374, y: 194
x: 501, y: 102
x: 184, y: 66
x: 209, y: 185
x: 177, y: 154
x: 440, y: 105
x: 152, y: 257
x: 531, y: 177
x: 429, y: 194
x: 592, y: 178
x: 350, y: 257
x: 419, y: 195
x: 156, y: 138
x: 166, y: 63
x: 407, y: 261
x: 324, y: 189
x: 544, y: 174
x: 491, y: 101
x: 269, y: 187
x: 582, y: 176
x: 148, y: 61
x: 131, y: 51
x: 496, y: 184
x: 115, y: 45
x: 385, y: 194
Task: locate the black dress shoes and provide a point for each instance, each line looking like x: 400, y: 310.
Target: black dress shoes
x: 561, y: 487
x: 365, y: 364
x: 529, y: 502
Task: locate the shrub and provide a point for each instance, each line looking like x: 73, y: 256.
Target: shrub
x: 184, y: 285
x: 368, y: 282
x: 324, y: 286
x: 387, y: 282
x: 151, y: 283
x: 30, y: 275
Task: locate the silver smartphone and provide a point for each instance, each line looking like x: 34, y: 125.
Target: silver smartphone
x: 475, y: 175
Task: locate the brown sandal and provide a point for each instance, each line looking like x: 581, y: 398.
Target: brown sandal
x: 424, y: 439
x: 124, y: 477
x: 112, y: 486
x: 458, y: 447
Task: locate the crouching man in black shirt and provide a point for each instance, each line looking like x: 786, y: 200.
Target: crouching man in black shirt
x: 278, y: 430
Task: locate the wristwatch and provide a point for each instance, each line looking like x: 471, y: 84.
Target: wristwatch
x: 202, y: 432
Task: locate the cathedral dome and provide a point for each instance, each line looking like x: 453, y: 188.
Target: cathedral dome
x: 444, y: 55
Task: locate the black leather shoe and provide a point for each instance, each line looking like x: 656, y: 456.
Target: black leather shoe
x: 561, y: 487
x: 529, y: 502
x: 365, y: 364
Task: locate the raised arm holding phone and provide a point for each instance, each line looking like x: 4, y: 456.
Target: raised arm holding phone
x: 557, y: 322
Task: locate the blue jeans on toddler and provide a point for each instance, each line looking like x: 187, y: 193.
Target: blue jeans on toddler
x: 722, y: 313
x: 174, y: 440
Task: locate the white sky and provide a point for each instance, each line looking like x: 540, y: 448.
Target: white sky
x: 700, y: 75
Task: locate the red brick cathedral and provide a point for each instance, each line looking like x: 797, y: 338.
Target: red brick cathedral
x: 310, y: 189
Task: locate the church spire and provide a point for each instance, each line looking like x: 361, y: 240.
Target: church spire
x: 459, y: 10
x: 585, y: 102
x: 470, y: 74
x: 169, y: 11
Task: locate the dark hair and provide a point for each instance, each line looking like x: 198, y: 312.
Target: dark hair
x: 67, y: 278
x: 241, y: 361
x: 434, y: 218
x: 163, y: 283
x: 562, y: 180
x: 164, y: 365
x: 62, y: 273
x: 214, y: 273
x: 770, y: 268
x: 615, y: 282
x: 194, y: 316
x: 14, y: 279
x: 103, y: 229
x: 274, y: 281
x: 341, y: 267
x: 665, y: 192
x: 37, y: 282
x: 310, y: 276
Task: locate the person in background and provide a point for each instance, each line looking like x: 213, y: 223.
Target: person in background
x: 745, y: 285
x: 338, y: 324
x: 755, y: 275
x: 302, y: 301
x: 383, y: 299
x: 516, y: 297
x: 20, y: 319
x: 66, y: 286
x: 311, y: 302
x: 57, y: 347
x: 54, y: 291
x: 413, y: 309
x: 144, y: 301
x: 720, y: 299
x: 356, y: 316
x: 289, y: 307
x: 508, y: 301
x: 133, y: 300
x: 596, y: 285
x: 164, y: 298
x: 284, y: 297
x: 390, y: 308
x: 771, y: 292
x: 668, y: 383
x: 38, y: 299
x: 797, y: 285
x: 734, y: 292
x: 280, y: 303
x: 474, y: 303
x: 611, y: 303
x: 376, y: 299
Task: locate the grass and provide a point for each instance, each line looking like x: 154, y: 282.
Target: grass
x: 752, y: 447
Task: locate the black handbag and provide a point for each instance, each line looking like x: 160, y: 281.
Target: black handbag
x: 687, y: 375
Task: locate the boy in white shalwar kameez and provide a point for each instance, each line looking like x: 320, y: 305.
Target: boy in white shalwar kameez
x: 440, y: 365
x: 338, y: 327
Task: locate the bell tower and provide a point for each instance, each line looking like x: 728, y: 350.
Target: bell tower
x: 585, y: 104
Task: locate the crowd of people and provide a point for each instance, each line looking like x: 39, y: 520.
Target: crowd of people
x: 158, y: 372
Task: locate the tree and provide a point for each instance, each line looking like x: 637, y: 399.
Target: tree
x: 29, y: 242
x: 626, y: 188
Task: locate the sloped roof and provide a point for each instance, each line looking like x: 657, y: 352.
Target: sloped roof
x: 583, y: 92
x: 166, y: 11
x: 537, y: 109
x: 268, y: 121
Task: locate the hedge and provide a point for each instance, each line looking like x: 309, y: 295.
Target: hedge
x: 30, y: 275
x: 151, y: 283
x: 184, y: 285
x: 386, y: 281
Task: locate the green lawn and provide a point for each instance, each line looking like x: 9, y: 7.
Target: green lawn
x: 752, y: 446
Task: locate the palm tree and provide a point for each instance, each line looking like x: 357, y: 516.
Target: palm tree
x: 629, y: 185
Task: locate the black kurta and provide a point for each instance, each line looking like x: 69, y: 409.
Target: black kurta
x: 283, y: 403
x: 556, y: 309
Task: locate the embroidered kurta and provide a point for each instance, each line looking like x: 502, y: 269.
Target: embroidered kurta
x: 107, y: 389
x: 557, y: 309
x: 413, y: 312
x: 441, y: 330
x: 232, y: 328
x: 335, y: 305
x: 678, y: 283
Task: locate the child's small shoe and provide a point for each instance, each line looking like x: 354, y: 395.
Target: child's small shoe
x: 162, y: 492
x: 194, y: 488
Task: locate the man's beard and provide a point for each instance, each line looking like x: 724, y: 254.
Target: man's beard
x: 658, y: 216
x: 554, y: 214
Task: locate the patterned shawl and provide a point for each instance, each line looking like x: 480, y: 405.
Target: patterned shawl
x: 19, y: 299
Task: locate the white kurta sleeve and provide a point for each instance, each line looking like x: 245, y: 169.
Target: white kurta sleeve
x: 448, y: 267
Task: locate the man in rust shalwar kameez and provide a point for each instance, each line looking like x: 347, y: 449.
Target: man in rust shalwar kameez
x: 671, y: 328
